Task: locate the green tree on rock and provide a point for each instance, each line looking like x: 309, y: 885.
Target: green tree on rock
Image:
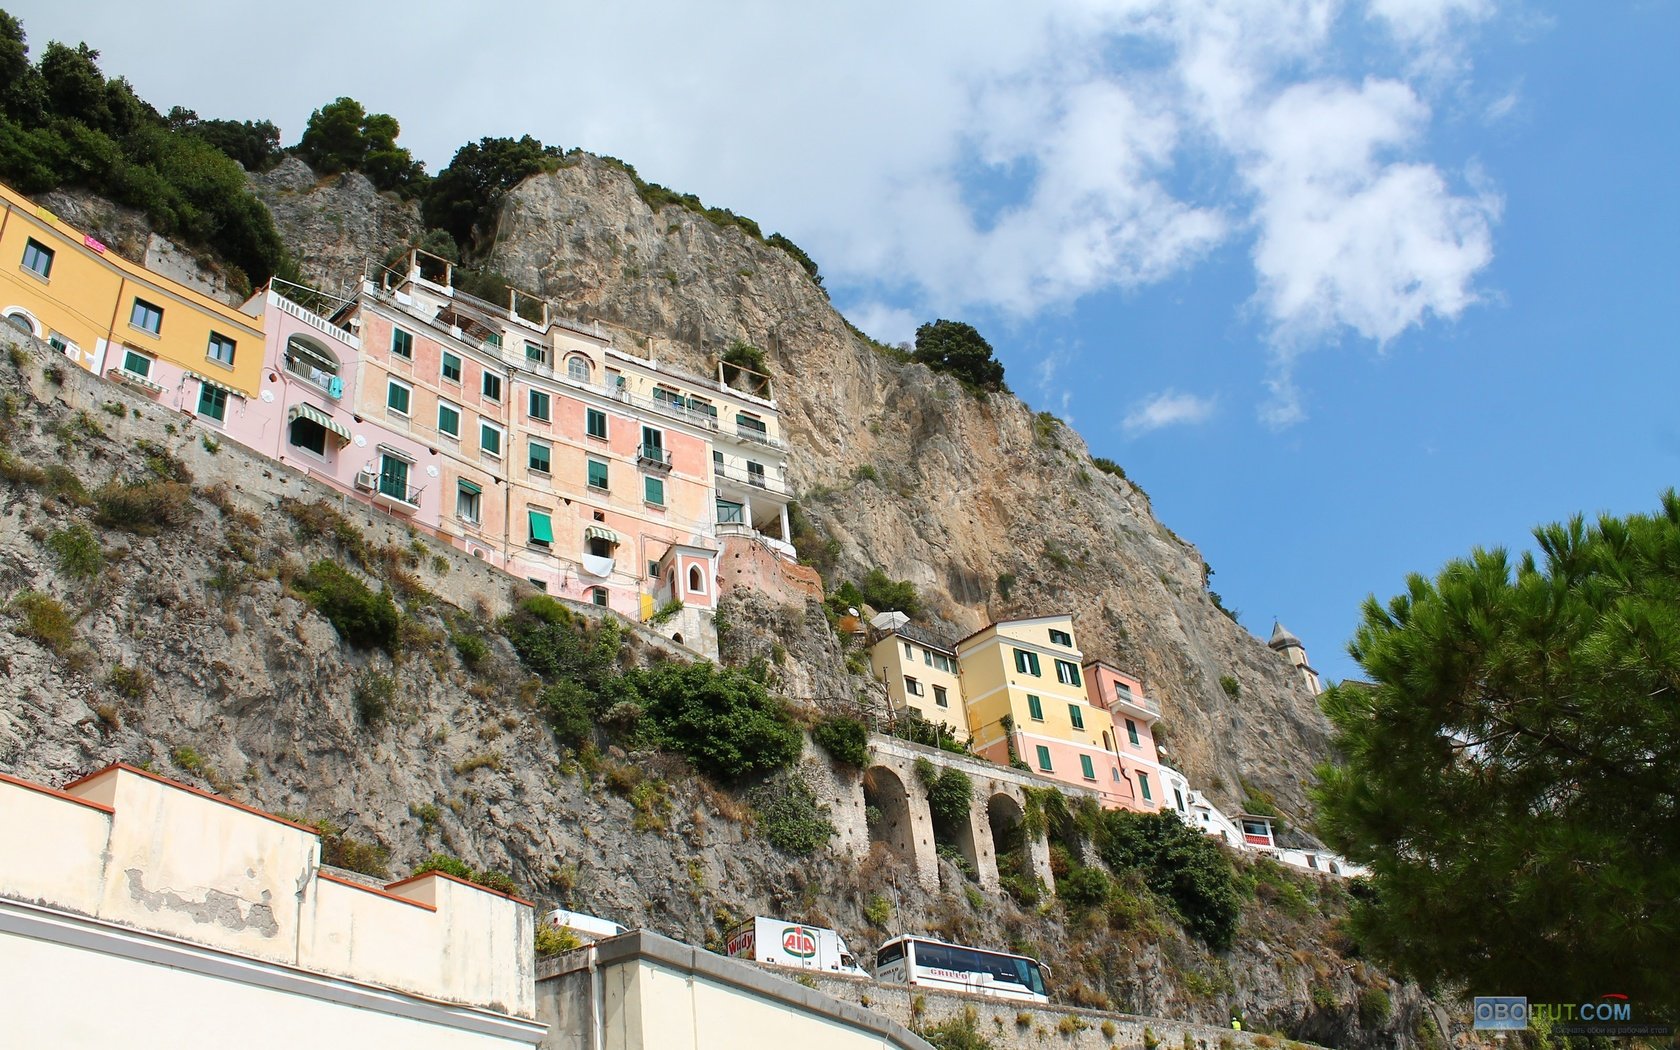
x: 465, y: 197
x: 1511, y: 773
x: 958, y: 348
x: 344, y: 136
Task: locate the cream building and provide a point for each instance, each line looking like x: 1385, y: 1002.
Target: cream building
x: 138, y: 912
x: 921, y: 677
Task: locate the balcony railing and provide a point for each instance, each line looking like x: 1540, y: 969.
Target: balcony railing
x: 1133, y: 700
x: 395, y: 491
x: 653, y: 456
x: 757, y: 436
x: 754, y: 479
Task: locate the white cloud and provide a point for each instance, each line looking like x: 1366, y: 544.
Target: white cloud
x: 887, y: 324
x: 1167, y: 409
x: 1503, y: 106
x: 1425, y: 21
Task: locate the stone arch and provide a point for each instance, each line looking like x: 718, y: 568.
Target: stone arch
x: 887, y: 805
x: 1011, y: 845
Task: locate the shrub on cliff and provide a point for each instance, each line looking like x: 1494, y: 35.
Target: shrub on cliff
x: 1179, y: 863
x: 846, y: 739
x: 362, y: 617
x: 724, y: 721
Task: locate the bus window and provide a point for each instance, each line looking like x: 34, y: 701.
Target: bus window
x: 890, y: 954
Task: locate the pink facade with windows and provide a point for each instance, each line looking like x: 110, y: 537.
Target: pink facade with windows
x: 1134, y: 715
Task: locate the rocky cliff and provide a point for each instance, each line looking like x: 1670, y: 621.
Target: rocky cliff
x: 960, y: 491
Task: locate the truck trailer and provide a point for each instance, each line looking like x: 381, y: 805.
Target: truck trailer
x: 793, y: 944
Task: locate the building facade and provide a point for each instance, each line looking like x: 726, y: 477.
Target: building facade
x: 135, y: 911
x: 922, y: 678
x: 1132, y: 737
x: 1026, y: 701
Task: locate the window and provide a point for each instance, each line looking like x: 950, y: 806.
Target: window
x: 909, y: 652
x: 393, y: 477
x: 653, y: 570
x: 468, y: 498
x: 492, y: 386
x: 577, y: 368
x: 1089, y: 771
x: 308, y: 435
x: 911, y: 686
x: 307, y: 359
x: 1178, y: 797
x: 729, y: 513
x: 1077, y: 715
x: 1108, y: 741
x: 696, y: 580
x: 595, y: 422
x: 1027, y: 663
x: 449, y: 419
x: 541, y: 527
x: 1035, y: 708
x: 1131, y: 732
x: 1060, y: 638
x: 539, y: 405
x: 21, y: 321
x: 212, y: 402
x: 597, y: 474
x: 136, y: 364
x: 539, y: 456
x: 451, y: 367
x: 751, y: 426
x: 653, y: 490
x: 653, y: 445
x: 402, y: 344
x: 939, y: 696
x: 536, y: 352
x: 37, y: 258
x: 396, y: 397
x: 1067, y: 672
x: 490, y: 438
x: 221, y: 349
x: 146, y: 317
x: 1044, y: 758
x: 1143, y: 786
x: 755, y: 474
x: 599, y: 596
x: 669, y: 397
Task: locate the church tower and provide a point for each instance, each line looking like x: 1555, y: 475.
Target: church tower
x: 1296, y: 653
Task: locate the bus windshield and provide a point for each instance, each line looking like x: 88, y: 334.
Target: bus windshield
x: 1007, y: 969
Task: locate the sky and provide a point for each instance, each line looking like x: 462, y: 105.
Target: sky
x: 1349, y: 288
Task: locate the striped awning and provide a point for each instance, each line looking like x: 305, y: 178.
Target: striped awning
x: 218, y: 384
x: 315, y: 415
x: 596, y: 532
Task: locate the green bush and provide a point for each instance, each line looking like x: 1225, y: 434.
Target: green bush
x: 957, y: 1033
x: 342, y: 850
x: 721, y: 719
x: 846, y: 739
x: 743, y: 354
x: 144, y: 508
x: 448, y: 865
x: 882, y: 592
x: 79, y: 553
x: 1179, y: 863
x: 878, y: 911
x: 1108, y: 466
x: 1374, y: 1007
x: 46, y: 620
x: 790, y: 815
x: 960, y: 350
x: 1085, y: 888
x: 372, y: 697
x: 1231, y: 686
x: 949, y: 791
x: 131, y: 683
x: 365, y: 619
x: 471, y: 648
x: 553, y: 940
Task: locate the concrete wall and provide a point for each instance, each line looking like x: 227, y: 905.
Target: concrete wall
x: 640, y: 991
x: 1000, y: 1020
x: 137, y: 852
x: 749, y: 564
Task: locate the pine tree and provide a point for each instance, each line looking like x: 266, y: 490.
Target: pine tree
x: 1511, y: 771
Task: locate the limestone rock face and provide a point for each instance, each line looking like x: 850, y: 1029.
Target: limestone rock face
x: 965, y: 489
x: 334, y: 225
x: 128, y: 233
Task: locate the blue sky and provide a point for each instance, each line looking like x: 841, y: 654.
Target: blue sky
x: 1360, y: 285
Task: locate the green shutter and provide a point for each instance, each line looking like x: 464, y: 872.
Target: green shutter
x: 541, y: 528
x: 1077, y: 715
x: 1035, y: 708
x: 655, y: 491
x: 1086, y: 767
x: 1044, y: 758
x: 1143, y: 782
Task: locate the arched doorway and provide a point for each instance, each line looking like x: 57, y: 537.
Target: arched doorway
x: 887, y: 809
x: 1009, y: 842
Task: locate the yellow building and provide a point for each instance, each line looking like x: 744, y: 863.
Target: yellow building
x: 921, y: 677
x: 119, y: 319
x: 1027, y: 702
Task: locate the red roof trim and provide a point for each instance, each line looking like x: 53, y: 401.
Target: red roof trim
x: 375, y: 890
x: 200, y: 792
x: 464, y: 882
x: 30, y: 785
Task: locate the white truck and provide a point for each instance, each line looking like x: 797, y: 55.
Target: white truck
x: 589, y: 928
x: 792, y: 944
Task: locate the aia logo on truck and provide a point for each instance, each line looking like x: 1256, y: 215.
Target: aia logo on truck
x: 798, y: 942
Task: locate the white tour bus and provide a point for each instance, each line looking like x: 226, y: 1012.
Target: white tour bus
x: 936, y: 964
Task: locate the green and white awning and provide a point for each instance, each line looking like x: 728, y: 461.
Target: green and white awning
x: 596, y: 532
x: 471, y: 486
x: 207, y: 381
x: 315, y: 415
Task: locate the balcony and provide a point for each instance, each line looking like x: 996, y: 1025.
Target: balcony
x: 1141, y: 705
x: 752, y: 479
x: 390, y: 491
x: 758, y: 437
x: 653, y: 457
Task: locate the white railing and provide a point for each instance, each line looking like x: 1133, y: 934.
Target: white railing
x: 313, y: 319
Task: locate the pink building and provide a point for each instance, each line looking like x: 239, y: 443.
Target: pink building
x: 1134, y: 715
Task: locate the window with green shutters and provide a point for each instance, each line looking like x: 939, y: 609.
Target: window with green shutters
x: 653, y: 490
x: 1035, y: 708
x: 1027, y: 663
x: 1044, y: 758
x: 539, y: 405
x: 597, y: 474
x: 492, y: 386
x: 539, y: 456
x: 396, y: 397
x: 1060, y: 638
x: 212, y: 402
x: 37, y: 258
x: 136, y: 364
x: 1143, y: 785
x: 1131, y: 732
x: 1067, y: 673
x: 146, y: 317
x: 449, y: 419
x: 596, y: 423
x: 402, y: 344
x: 1086, y: 768
x: 221, y: 349
x: 451, y: 367
x: 490, y: 439
x: 1077, y: 715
